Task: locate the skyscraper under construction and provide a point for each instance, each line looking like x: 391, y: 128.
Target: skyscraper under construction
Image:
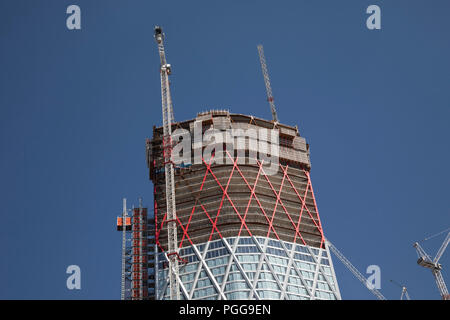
x: 242, y: 232
x: 235, y: 216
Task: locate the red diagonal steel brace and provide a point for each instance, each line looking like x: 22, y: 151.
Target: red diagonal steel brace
x: 256, y: 198
x: 315, y: 205
x: 159, y: 231
x: 301, y: 213
x: 306, y: 207
x: 252, y: 193
x: 184, y: 231
x: 281, y: 202
x: 229, y: 199
x: 221, y: 202
x: 302, y: 208
x: 195, y: 204
x: 187, y: 226
x: 212, y: 222
x: 276, y: 203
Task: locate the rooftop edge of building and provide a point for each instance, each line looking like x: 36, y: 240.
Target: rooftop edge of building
x: 236, y: 117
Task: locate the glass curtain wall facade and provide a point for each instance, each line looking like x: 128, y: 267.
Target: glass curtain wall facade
x: 252, y: 268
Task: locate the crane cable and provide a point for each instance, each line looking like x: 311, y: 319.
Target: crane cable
x: 435, y: 235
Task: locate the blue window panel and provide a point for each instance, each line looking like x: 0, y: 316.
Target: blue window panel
x: 200, y: 293
x: 267, y: 285
x: 191, y: 259
x: 266, y: 294
x: 238, y: 295
x: 219, y: 279
x: 303, y: 257
x: 239, y: 285
x: 325, y: 262
x: 274, y: 243
x: 276, y: 252
x: 246, y: 249
x: 302, y: 249
x: 234, y: 277
x: 266, y: 276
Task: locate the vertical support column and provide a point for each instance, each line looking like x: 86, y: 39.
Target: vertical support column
x: 139, y: 276
x: 124, y: 245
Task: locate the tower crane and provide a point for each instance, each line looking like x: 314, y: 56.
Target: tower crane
x: 353, y: 270
x: 167, y: 113
x: 434, y: 265
x: 262, y: 59
x: 404, y: 290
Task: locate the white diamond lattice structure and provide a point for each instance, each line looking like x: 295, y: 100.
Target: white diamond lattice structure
x: 251, y: 268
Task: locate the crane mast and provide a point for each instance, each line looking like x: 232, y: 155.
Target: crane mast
x: 167, y: 112
x: 405, y: 293
x: 265, y: 72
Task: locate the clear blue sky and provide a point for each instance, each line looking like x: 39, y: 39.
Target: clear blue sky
x: 76, y: 107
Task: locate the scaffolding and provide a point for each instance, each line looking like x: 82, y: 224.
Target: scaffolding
x: 216, y: 200
x: 138, y: 253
